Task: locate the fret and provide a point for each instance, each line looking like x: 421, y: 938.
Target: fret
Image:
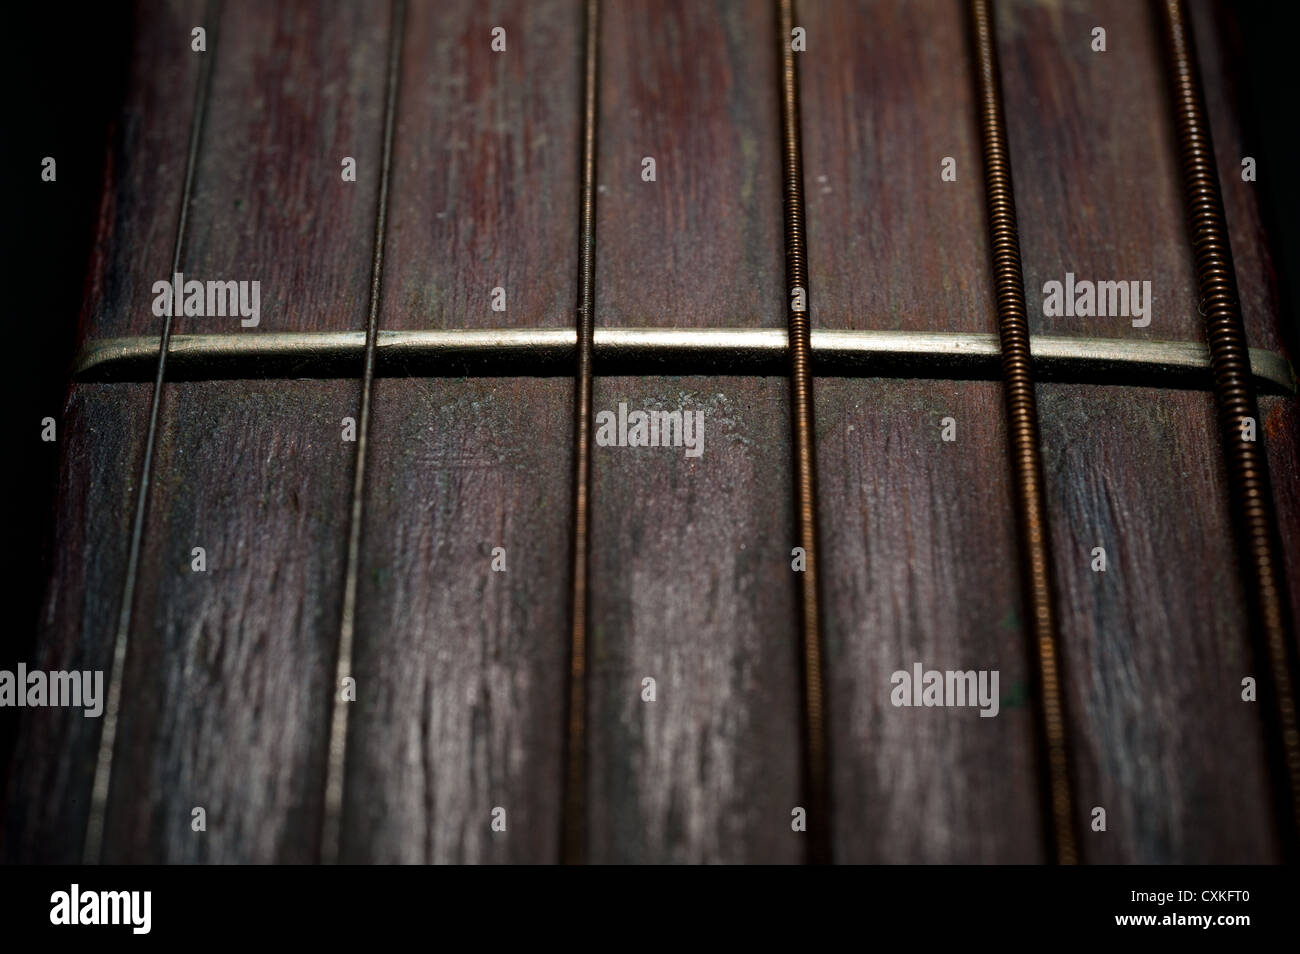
x: 490, y: 352
x: 695, y: 594
x: 1097, y: 195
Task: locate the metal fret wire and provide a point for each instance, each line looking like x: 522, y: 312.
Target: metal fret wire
x: 540, y: 352
x: 93, y: 846
x: 331, y: 836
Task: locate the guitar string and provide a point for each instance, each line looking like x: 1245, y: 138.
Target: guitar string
x: 1249, y: 487
x: 573, y: 835
x: 93, y: 846
x: 331, y: 835
x: 1022, y: 430
x: 815, y: 756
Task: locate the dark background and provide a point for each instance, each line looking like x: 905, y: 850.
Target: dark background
x: 65, y: 72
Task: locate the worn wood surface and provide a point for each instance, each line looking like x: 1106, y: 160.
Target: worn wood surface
x: 921, y: 568
x: 696, y: 596
x: 920, y: 561
x: 136, y: 232
x: 461, y: 669
x: 890, y: 245
x: 701, y: 599
x: 235, y: 659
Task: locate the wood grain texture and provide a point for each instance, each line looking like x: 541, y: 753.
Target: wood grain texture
x: 886, y: 94
x: 700, y: 598
x: 236, y: 658
x: 1219, y: 56
x: 1098, y: 188
x: 228, y: 682
x: 920, y: 556
x: 461, y: 669
x: 695, y: 88
x: 1204, y: 807
x: 485, y: 167
x: 145, y: 173
x: 296, y: 87
x: 1148, y: 657
x: 1155, y: 648
x: 921, y: 567
x: 47, y: 792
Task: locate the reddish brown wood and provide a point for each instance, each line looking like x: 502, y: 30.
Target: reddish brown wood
x: 1156, y: 647
x: 1163, y: 642
x: 145, y: 173
x: 485, y: 167
x: 701, y: 599
x: 695, y: 88
x: 47, y: 791
x: 236, y: 659
x: 890, y: 245
x: 921, y: 560
x: 1097, y: 186
x: 921, y: 568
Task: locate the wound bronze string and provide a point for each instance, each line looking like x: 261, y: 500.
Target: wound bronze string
x: 331, y: 835
x: 94, y: 843
x: 573, y: 836
x: 816, y: 771
x: 1022, y: 428
x: 1249, y: 487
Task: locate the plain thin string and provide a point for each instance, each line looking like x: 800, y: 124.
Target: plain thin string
x: 94, y: 843
x: 337, y: 755
x: 573, y: 833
